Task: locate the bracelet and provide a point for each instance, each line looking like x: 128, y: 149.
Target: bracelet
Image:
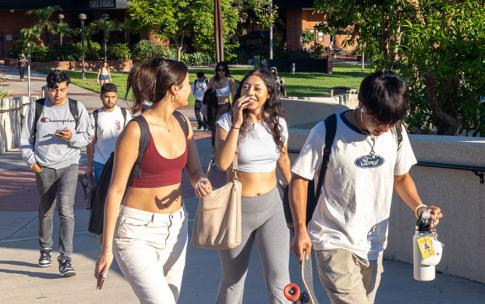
x: 419, y: 207
x: 235, y: 128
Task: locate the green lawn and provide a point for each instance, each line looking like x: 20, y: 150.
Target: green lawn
x: 303, y: 84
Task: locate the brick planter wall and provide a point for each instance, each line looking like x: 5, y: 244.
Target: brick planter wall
x: 115, y: 65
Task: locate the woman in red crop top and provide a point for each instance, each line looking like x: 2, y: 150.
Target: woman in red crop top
x: 148, y: 234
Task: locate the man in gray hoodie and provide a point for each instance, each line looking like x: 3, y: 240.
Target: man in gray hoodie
x: 54, y: 130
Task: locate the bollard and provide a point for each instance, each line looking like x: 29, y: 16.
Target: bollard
x: 293, y: 68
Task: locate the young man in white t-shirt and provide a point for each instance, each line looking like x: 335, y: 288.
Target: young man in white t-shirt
x: 198, y: 90
x: 108, y: 125
x: 348, y: 229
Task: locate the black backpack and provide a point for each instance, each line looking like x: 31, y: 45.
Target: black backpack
x: 39, y: 107
x: 314, y: 193
x: 96, y: 219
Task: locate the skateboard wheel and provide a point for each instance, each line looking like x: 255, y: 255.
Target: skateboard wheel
x: 292, y: 292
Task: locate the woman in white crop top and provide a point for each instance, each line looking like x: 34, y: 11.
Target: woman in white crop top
x: 256, y: 129
x: 224, y: 86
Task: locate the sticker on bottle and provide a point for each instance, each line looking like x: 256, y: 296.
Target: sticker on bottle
x: 426, y: 247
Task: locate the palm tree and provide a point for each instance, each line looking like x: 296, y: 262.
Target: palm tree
x: 107, y: 26
x: 62, y: 29
x: 43, y: 24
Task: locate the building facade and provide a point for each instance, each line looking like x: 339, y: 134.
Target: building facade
x: 13, y: 16
x: 300, y: 16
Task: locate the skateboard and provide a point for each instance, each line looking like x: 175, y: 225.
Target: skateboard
x: 294, y: 293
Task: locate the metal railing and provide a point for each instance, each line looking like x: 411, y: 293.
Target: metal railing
x: 478, y: 170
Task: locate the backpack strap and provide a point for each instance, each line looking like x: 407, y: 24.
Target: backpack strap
x: 143, y: 144
x: 95, y: 116
x: 39, y: 107
x: 399, y: 127
x: 183, y: 122
x: 74, y: 110
x: 330, y: 129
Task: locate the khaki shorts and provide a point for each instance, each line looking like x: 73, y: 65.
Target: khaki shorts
x: 348, y: 278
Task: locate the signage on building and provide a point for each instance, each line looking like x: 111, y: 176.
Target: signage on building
x: 102, y: 4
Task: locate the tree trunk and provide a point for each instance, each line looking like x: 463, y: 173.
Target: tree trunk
x: 179, y: 53
x: 447, y: 124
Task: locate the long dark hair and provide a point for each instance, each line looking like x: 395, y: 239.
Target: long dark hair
x: 151, y: 80
x: 223, y: 65
x: 272, y: 109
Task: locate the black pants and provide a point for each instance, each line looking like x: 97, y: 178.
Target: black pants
x: 201, y: 117
x: 22, y: 72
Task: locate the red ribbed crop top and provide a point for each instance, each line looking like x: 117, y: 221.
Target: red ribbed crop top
x: 158, y: 171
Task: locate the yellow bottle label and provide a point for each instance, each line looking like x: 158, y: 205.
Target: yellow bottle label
x: 426, y: 247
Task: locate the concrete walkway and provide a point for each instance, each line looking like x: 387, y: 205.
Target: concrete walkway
x: 21, y: 281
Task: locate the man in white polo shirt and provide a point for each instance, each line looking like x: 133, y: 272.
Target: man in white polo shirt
x: 370, y: 155
x: 108, y: 123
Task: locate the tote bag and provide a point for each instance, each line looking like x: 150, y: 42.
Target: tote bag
x: 217, y: 223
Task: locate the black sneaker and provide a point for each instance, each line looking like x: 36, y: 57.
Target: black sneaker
x: 45, y: 259
x: 65, y: 266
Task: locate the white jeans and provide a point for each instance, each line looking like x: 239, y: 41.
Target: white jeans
x: 150, y: 249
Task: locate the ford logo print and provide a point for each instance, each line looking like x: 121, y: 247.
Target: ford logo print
x: 368, y: 161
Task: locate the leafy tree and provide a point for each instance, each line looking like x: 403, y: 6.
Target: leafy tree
x: 168, y: 19
x: 107, y: 26
x: 438, y: 45
x: 203, y: 27
x: 192, y: 21
x: 259, y: 12
x: 44, y: 24
x: 62, y: 29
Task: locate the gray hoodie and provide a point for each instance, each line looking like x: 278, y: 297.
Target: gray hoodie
x: 50, y: 150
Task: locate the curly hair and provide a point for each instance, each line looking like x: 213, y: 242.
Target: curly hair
x: 272, y: 109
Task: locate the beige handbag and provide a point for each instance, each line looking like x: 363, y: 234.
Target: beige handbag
x: 217, y: 223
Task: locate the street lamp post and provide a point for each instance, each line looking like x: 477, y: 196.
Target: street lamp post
x: 106, y: 18
x: 29, y: 62
x: 82, y: 18
x: 271, y: 31
x: 61, y: 17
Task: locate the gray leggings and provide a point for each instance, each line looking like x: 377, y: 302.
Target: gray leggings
x: 263, y: 223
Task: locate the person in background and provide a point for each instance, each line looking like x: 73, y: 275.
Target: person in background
x: 104, y: 75
x: 224, y: 86
x: 51, y: 146
x: 280, y: 81
x: 108, y: 122
x: 198, y: 90
x: 22, y: 65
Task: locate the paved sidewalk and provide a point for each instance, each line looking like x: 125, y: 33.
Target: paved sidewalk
x: 21, y: 281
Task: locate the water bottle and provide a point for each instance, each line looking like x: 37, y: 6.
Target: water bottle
x: 424, y: 268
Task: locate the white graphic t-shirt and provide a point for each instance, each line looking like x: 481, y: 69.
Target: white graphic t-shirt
x: 354, y: 206
x: 110, y: 125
